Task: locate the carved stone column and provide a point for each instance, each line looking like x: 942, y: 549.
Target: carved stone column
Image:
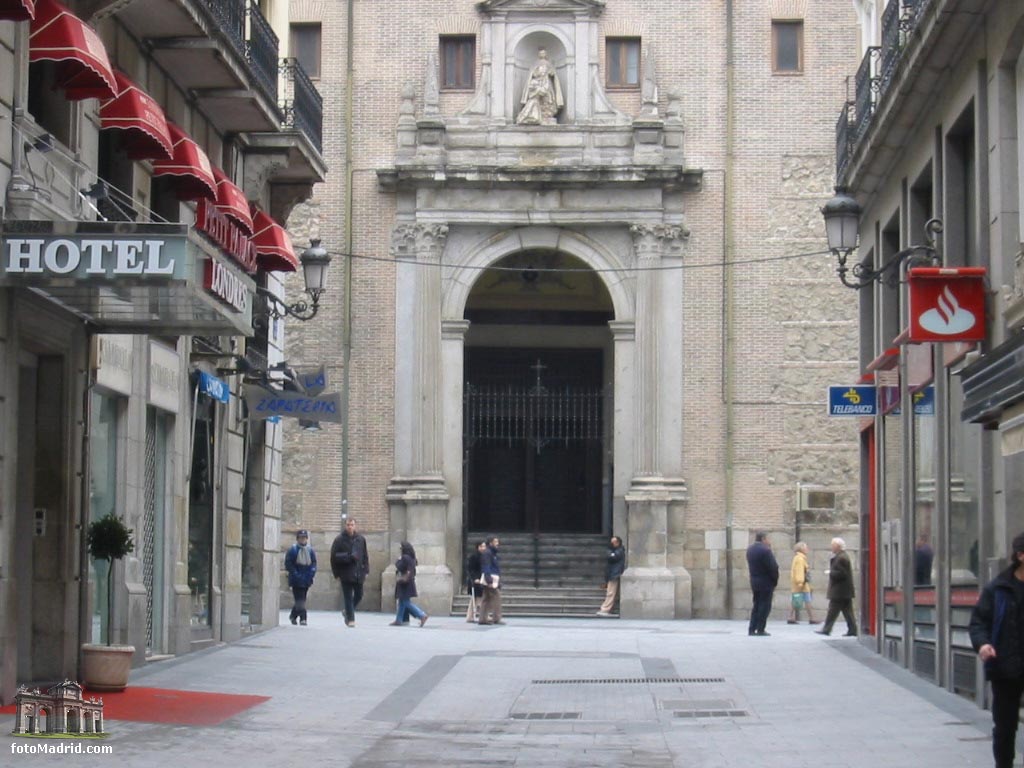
x: 657, y: 492
x: 417, y: 496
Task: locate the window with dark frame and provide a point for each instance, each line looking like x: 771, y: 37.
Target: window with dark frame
x: 622, y: 62
x: 788, y: 46
x: 304, y: 45
x: 458, y: 62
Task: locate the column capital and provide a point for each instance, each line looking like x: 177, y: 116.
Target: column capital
x: 418, y: 242
x: 622, y: 330
x: 454, y: 329
x: 653, y: 241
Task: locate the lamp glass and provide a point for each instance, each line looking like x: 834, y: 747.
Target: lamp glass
x: 841, y: 230
x: 315, y: 261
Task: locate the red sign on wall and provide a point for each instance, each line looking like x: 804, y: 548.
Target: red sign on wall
x: 946, y: 304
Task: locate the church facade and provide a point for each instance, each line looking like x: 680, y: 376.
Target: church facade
x: 585, y: 287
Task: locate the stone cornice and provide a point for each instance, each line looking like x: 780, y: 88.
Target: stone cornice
x: 592, y: 8
x: 667, y: 177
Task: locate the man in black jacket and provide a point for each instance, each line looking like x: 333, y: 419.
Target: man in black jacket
x: 614, y: 566
x: 840, y: 590
x: 764, y: 575
x: 350, y: 563
x: 997, y: 634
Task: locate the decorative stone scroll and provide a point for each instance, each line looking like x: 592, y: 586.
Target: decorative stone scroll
x: 1013, y: 295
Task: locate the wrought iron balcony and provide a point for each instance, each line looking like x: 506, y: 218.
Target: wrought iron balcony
x: 866, y: 90
x: 229, y: 16
x: 261, y: 51
x: 303, y: 105
x: 876, y: 74
x: 844, y: 138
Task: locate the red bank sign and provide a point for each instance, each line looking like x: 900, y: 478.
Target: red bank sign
x: 946, y: 304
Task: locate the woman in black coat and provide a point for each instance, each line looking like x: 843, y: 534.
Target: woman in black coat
x: 474, y: 569
x: 405, y: 587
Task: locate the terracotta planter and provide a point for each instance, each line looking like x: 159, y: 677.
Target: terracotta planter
x: 106, y: 667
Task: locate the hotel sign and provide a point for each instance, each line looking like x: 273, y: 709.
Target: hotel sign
x: 105, y: 257
x: 129, y: 277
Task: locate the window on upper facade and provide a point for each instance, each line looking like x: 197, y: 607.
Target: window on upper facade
x: 458, y: 62
x: 787, y: 46
x: 622, y: 57
x: 46, y: 102
x: 304, y: 45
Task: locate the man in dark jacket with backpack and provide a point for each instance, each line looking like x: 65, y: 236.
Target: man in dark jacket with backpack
x: 997, y: 634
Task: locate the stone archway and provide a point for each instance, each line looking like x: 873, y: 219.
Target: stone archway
x: 425, y: 495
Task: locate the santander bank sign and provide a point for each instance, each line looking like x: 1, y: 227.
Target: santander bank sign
x: 946, y: 304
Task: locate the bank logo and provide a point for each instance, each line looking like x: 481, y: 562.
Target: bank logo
x: 948, y: 318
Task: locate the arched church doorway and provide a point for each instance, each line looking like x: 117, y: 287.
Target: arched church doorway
x: 537, y: 402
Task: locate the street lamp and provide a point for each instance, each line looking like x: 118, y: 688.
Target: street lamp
x: 842, y: 223
x: 315, y: 261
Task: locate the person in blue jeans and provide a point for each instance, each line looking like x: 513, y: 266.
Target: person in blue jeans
x: 405, y: 587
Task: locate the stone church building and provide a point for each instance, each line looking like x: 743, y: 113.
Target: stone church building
x: 580, y: 287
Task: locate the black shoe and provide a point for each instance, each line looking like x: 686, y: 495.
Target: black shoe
x: 294, y: 620
x: 821, y: 632
x: 850, y: 634
x: 302, y: 622
x: 762, y: 633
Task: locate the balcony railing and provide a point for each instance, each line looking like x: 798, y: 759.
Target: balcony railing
x: 229, y: 15
x: 844, y: 138
x: 875, y: 75
x: 866, y: 90
x: 261, y: 52
x: 304, y: 106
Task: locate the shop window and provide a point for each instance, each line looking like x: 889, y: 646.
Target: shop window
x: 305, y: 45
x: 787, y: 47
x: 622, y: 58
x: 458, y: 62
x: 46, y: 102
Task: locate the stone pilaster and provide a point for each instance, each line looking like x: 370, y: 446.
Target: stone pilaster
x: 418, y: 496
x: 657, y: 492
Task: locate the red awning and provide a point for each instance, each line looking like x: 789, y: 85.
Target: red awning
x: 189, y: 165
x: 17, y: 10
x: 83, y: 68
x: 231, y: 202
x: 273, y: 246
x: 146, y: 135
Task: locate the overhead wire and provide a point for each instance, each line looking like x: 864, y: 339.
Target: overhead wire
x: 565, y: 270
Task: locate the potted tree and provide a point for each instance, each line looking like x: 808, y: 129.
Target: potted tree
x: 106, y: 667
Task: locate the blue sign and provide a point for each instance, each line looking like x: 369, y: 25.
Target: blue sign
x: 924, y: 402
x: 851, y: 401
x: 214, y: 387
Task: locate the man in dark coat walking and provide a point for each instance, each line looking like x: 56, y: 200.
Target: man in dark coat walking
x: 350, y: 563
x: 840, y: 590
x: 997, y: 634
x: 764, y: 575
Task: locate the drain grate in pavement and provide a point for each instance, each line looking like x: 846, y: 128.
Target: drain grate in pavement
x: 546, y: 715
x: 695, y: 713
x: 629, y: 680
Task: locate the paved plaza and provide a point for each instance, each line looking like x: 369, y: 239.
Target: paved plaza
x: 547, y: 692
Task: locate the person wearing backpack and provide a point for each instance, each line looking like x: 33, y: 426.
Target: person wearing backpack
x: 997, y: 634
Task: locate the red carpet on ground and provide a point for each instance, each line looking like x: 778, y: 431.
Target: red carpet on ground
x: 162, y: 705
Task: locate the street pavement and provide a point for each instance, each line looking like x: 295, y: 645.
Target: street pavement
x: 545, y: 692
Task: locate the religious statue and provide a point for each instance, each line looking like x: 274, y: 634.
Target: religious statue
x: 542, y: 95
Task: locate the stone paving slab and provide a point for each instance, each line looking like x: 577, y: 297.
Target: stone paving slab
x: 453, y: 694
